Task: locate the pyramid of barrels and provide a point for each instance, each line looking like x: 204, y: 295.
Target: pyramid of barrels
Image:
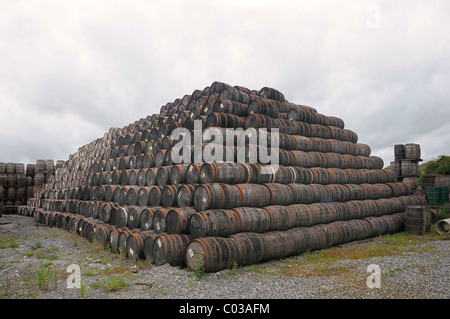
x: 130, y: 192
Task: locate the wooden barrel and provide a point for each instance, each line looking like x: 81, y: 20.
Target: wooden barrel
x: 148, y: 160
x: 416, y: 220
x: 131, y: 194
x: 280, y: 194
x: 185, y: 195
x: 177, y: 220
x: 150, y: 176
x: 159, y: 220
x: 148, y: 246
x: 162, y: 175
x: 399, y: 151
x: 271, y: 93
x: 412, y: 151
x: 230, y: 106
x: 169, y: 195
x: 170, y: 249
x: 409, y: 168
x: 119, y: 216
x: 263, y: 107
x: 217, y: 222
x: 214, y: 253
x: 177, y: 174
x: 146, y: 219
x: 124, y: 233
x: 134, y: 216
x: 135, y: 244
x: 193, y: 173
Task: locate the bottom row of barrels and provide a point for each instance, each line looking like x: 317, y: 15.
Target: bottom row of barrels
x: 212, y: 254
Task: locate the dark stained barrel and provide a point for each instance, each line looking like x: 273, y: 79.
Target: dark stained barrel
x: 412, y: 151
x: 169, y: 195
x: 177, y: 174
x: 146, y: 219
x: 155, y: 196
x: 416, y: 220
x: 135, y: 244
x: 399, y: 151
x: 177, y: 220
x: 170, y: 249
x: 159, y: 220
x: 193, y: 173
x: 185, y: 195
x: 148, y: 246
x: 134, y: 216
x: 271, y: 93
x: 213, y: 253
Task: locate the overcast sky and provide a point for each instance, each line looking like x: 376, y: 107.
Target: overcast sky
x: 70, y: 70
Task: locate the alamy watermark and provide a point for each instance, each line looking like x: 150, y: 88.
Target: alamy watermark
x: 74, y: 279
x: 221, y: 146
x: 374, y: 279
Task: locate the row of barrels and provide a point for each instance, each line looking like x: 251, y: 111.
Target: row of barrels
x: 217, y: 152
x: 155, y: 247
x: 225, y: 222
x: 409, y: 151
x: 166, y: 157
x: 219, y: 195
x: 262, y: 155
x: 41, y: 166
x: 135, y: 143
x: 298, y: 128
x: 147, y: 150
x: 233, y: 173
x: 15, y: 193
x: 18, y: 181
x: 212, y: 254
x: 230, y: 173
x: 405, y: 168
x: 284, y: 125
x: 173, y: 220
x: 214, y: 195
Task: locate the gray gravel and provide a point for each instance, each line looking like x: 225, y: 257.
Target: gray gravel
x: 420, y: 272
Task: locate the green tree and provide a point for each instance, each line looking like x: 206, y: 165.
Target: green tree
x: 439, y: 166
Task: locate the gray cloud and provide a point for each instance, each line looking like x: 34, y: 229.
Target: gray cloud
x: 70, y: 70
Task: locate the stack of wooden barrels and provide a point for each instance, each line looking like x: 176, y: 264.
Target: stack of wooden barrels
x: 198, y: 183
x: 406, y: 163
x: 18, y: 181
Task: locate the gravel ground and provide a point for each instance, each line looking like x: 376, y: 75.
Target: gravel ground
x: 420, y: 272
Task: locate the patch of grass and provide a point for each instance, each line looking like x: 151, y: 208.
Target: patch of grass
x: 5, y: 242
x: 445, y: 211
x: 91, y: 272
x: 53, y: 249
x: 13, y: 245
x: 46, y: 256
x: 115, y: 284
x: 322, y: 262
x: 27, y: 254
x: 82, y: 289
x: 15, y: 261
x: 115, y: 270
x: 36, y: 245
x: 43, y: 275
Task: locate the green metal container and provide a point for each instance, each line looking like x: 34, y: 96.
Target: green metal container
x: 433, y: 195
x: 443, y: 195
